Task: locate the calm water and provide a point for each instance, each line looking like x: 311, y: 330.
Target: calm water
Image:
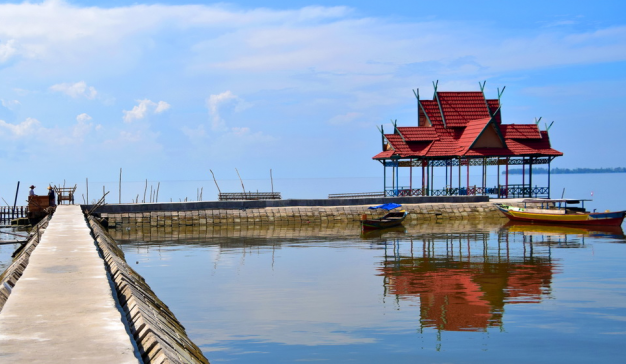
x: 446, y: 293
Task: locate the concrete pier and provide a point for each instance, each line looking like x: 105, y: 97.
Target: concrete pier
x: 62, y: 309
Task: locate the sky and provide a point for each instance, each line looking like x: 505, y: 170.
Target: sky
x: 171, y: 90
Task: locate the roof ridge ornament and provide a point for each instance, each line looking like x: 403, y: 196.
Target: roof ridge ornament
x: 395, y: 127
x: 482, y: 89
x: 416, y: 92
x: 443, y: 118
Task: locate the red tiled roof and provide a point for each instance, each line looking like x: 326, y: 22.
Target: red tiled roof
x: 461, y: 107
x: 467, y: 117
x: 520, y: 131
x: 424, y: 133
x: 533, y: 146
x: 384, y: 155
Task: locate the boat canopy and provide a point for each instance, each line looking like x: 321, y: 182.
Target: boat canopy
x: 554, y: 200
x: 387, y: 206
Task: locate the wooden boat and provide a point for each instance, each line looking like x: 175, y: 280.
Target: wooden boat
x: 389, y: 220
x: 560, y: 211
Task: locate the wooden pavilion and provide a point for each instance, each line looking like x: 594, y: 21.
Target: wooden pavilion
x: 463, y: 129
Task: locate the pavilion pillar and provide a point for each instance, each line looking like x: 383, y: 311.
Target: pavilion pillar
x: 432, y: 178
x: 384, y: 178
x: 523, y: 175
x: 451, y: 174
x: 549, y: 161
x: 467, y: 176
x: 484, y: 174
x: 393, y: 177
x: 530, y: 177
x: 423, y: 181
x: 498, y: 178
x: 411, y: 179
x: 459, y: 175
x: 508, y: 160
x: 397, y: 177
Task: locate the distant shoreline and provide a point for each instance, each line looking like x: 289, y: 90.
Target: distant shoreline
x: 541, y: 170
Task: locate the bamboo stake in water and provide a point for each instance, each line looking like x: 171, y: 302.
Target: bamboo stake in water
x: 214, y: 180
x: 120, y: 185
x: 244, y: 189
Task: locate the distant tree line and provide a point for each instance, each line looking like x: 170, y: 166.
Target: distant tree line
x: 540, y: 170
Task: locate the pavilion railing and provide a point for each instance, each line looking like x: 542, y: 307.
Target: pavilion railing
x: 502, y: 191
x: 356, y: 195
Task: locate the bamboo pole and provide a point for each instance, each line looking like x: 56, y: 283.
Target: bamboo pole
x: 272, y: 181
x: 144, y: 191
x: 242, y: 186
x: 157, y: 192
x: 16, y: 192
x: 120, y: 185
x: 214, y: 180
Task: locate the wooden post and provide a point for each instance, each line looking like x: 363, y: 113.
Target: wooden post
x: 17, y: 190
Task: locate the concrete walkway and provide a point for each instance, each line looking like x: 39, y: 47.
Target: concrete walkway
x: 62, y: 309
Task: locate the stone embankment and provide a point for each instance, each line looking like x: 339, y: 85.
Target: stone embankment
x: 12, y: 274
x: 159, y: 336
x: 70, y: 297
x: 296, y: 215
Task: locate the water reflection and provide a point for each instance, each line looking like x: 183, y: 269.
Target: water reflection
x: 431, y: 292
x: 463, y: 286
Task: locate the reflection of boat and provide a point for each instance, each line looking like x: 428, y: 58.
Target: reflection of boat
x: 377, y: 233
x: 538, y: 229
x: 560, y: 211
x: 389, y: 220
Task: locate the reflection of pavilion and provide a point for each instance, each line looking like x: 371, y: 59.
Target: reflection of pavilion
x: 466, y: 292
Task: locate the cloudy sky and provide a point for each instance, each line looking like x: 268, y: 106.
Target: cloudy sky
x: 170, y: 90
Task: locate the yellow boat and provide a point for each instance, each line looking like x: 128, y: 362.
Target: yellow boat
x: 560, y: 211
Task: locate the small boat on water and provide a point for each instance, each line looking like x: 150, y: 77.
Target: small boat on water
x: 561, y: 211
x: 393, y: 218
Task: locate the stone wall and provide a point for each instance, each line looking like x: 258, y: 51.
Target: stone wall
x: 295, y: 216
x: 159, y: 336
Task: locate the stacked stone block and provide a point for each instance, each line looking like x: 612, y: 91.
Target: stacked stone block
x: 297, y: 216
x: 159, y: 336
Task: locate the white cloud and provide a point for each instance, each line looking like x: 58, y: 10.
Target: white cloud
x: 161, y: 106
x: 27, y: 127
x: 7, y: 50
x: 142, y: 109
x: 76, y: 90
x: 346, y: 118
x: 10, y: 104
x: 83, y: 127
x: 214, y: 102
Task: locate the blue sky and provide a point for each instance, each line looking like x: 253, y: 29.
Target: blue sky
x: 169, y: 90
